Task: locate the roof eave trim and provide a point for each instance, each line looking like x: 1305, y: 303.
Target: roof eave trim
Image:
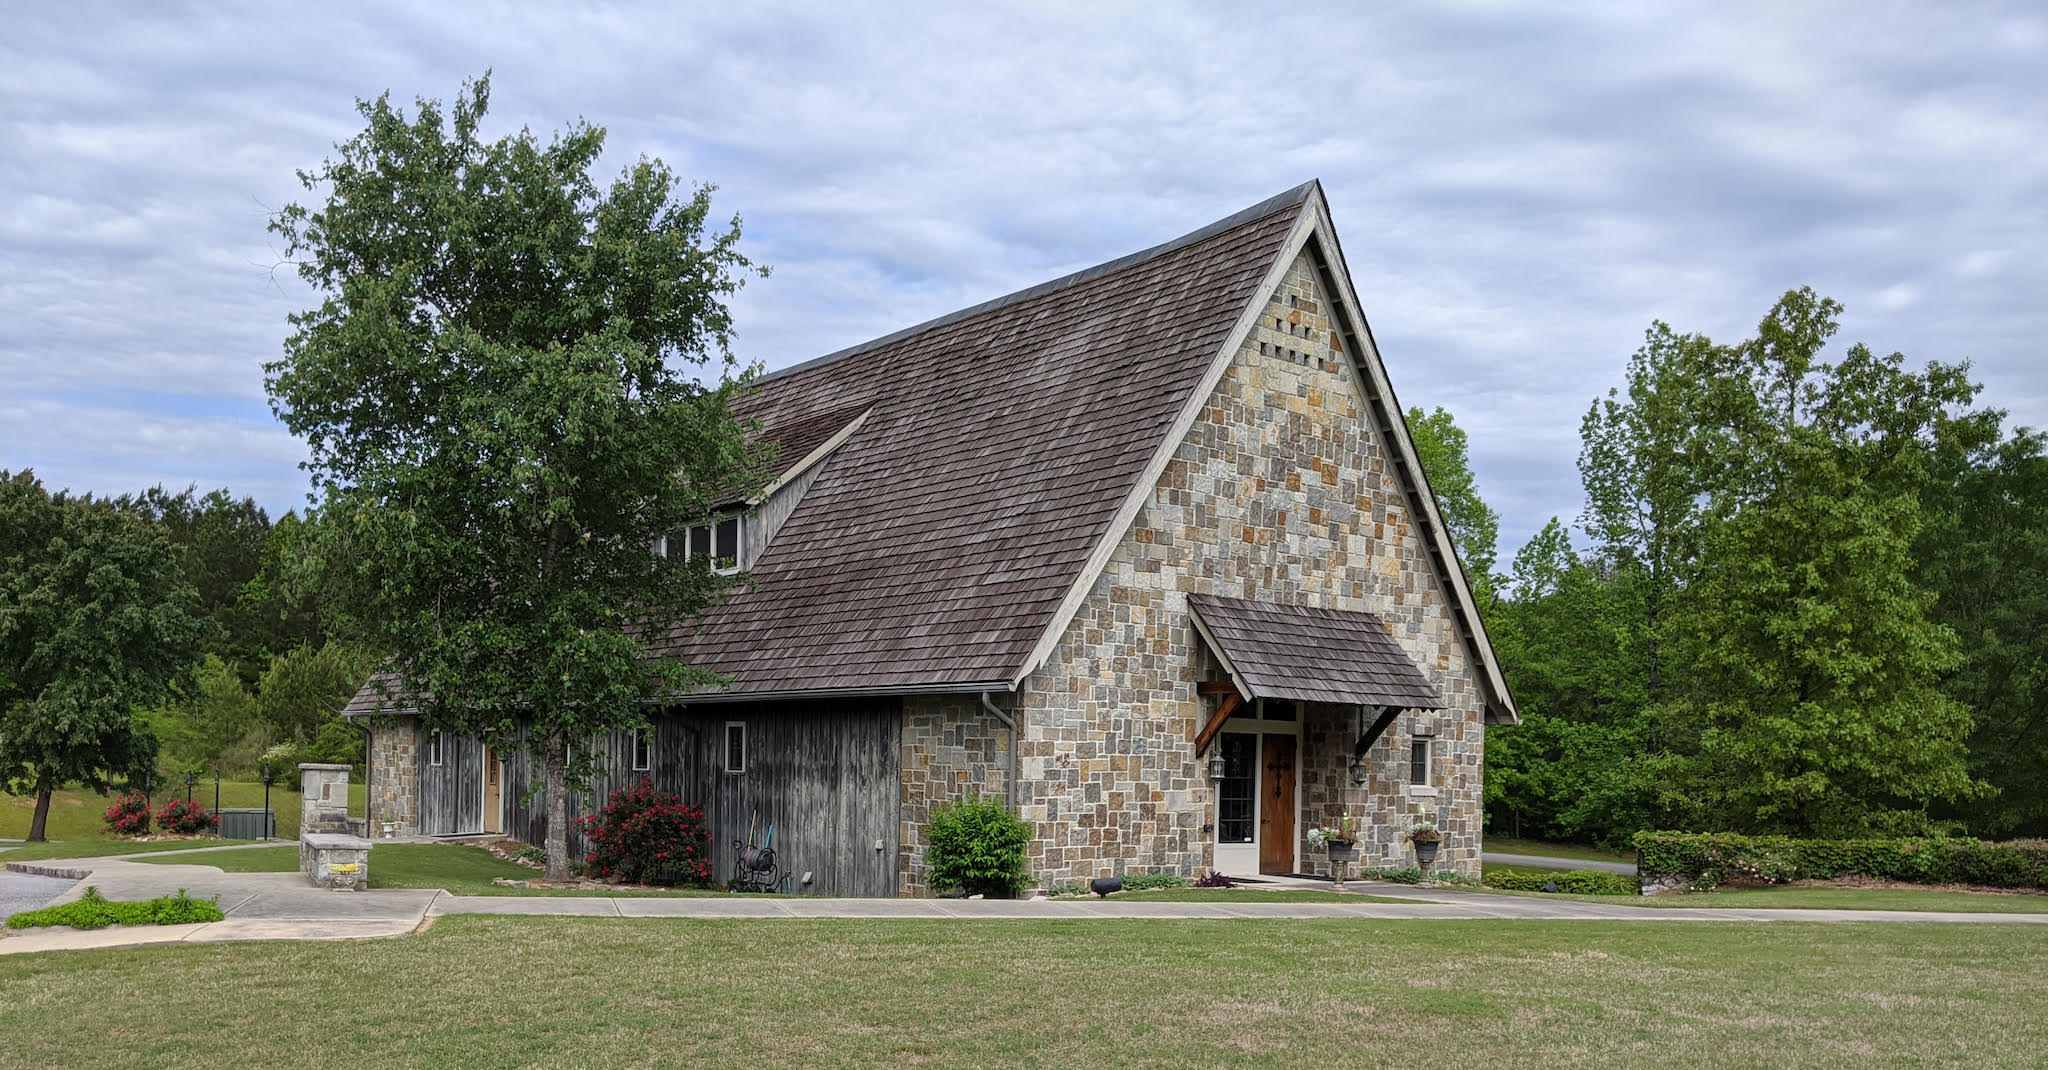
x: 812, y: 458
x: 1395, y: 429
x: 1237, y: 679
x: 715, y: 698
x: 1141, y: 491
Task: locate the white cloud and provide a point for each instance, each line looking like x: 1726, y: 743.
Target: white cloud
x: 1520, y: 191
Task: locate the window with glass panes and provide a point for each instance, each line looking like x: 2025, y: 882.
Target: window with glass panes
x: 1237, y: 791
x: 717, y: 538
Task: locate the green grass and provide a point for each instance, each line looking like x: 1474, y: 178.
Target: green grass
x: 77, y: 814
x: 1557, y: 850
x: 483, y: 991
x: 31, y: 852
x: 1227, y: 896
x: 456, y: 868
x: 1821, y: 898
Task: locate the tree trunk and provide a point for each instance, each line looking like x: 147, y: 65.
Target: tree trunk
x: 39, y: 824
x: 556, y: 771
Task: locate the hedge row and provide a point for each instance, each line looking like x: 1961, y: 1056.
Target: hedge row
x: 1575, y: 881
x: 1711, y: 859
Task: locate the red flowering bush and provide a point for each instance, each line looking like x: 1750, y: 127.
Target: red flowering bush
x: 186, y: 819
x: 647, y: 836
x: 129, y: 816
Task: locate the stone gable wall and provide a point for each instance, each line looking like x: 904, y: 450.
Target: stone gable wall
x: 394, y: 785
x: 1280, y: 492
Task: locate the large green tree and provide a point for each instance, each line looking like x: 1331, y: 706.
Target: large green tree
x: 493, y: 394
x: 1771, y: 499
x: 96, y: 619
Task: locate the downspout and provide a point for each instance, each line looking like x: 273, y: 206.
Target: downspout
x: 1009, y: 786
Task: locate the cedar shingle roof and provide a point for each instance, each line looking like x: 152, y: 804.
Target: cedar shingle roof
x: 1001, y: 440
x: 1314, y: 655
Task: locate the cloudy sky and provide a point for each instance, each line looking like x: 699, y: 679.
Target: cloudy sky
x: 1519, y: 194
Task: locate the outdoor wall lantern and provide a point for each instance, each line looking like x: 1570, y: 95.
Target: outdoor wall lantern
x: 1217, y: 766
x: 1358, y: 770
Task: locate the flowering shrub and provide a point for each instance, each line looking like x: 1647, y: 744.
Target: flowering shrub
x: 186, y: 818
x: 129, y: 816
x: 649, y: 837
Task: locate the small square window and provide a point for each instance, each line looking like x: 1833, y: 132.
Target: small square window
x: 1418, y: 762
x: 735, y: 746
x: 643, y: 750
x: 700, y: 539
x: 434, y: 748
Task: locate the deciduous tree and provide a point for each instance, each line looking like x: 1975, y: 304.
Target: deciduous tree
x: 494, y: 397
x: 96, y: 619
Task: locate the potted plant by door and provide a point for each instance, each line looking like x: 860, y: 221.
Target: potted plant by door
x: 1426, y: 839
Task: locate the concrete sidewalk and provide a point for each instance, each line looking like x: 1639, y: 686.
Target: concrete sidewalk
x: 259, y: 906
x: 282, y: 906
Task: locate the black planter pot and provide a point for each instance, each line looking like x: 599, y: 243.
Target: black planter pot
x: 1341, y: 852
x: 1425, y: 853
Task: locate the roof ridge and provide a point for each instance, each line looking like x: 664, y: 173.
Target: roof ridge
x: 1261, y: 210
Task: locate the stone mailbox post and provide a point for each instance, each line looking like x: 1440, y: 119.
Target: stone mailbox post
x: 330, y: 854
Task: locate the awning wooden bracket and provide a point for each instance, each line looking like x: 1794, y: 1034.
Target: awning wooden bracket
x: 1372, y: 735
x: 1228, y: 706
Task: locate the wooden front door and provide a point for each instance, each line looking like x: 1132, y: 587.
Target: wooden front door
x: 1276, y: 805
x: 494, y: 787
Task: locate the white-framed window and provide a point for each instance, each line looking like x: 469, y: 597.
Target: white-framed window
x: 735, y: 746
x: 643, y: 750
x: 434, y: 748
x: 717, y: 538
x: 1418, y: 761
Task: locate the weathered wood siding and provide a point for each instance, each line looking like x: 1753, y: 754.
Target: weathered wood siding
x: 825, y: 774
x: 451, y: 793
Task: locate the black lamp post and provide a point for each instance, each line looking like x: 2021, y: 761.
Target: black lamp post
x: 266, y: 800
x: 191, y: 778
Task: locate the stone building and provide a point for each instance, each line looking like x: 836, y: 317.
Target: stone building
x: 1145, y: 550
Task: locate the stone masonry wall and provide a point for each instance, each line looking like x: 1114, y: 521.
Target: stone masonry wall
x: 395, y: 775
x: 952, y: 749
x: 1280, y: 492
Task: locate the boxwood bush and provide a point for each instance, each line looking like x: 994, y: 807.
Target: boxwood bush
x: 1711, y: 859
x: 1575, y: 881
x: 976, y: 846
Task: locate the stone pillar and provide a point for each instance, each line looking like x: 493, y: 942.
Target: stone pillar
x: 323, y: 799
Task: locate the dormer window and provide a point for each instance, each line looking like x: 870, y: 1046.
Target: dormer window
x: 717, y: 538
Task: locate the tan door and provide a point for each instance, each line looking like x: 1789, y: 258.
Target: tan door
x: 494, y: 786
x: 1276, y: 805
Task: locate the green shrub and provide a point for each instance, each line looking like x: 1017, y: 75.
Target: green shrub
x: 977, y: 847
x: 1454, y: 878
x: 94, y: 911
x: 1404, y: 875
x: 1574, y: 881
x: 1709, y: 860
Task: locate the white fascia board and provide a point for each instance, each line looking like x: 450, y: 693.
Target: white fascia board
x: 1148, y: 480
x: 1378, y: 390
x: 823, y: 451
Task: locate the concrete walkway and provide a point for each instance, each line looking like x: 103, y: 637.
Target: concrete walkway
x: 1503, y: 858
x: 281, y: 906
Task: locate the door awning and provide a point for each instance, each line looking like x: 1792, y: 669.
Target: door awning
x: 1311, y: 655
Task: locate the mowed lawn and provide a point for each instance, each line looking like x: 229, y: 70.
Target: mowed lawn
x: 488, y: 991
x: 77, y: 814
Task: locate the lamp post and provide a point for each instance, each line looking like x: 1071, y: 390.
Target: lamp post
x: 266, y: 801
x: 191, y: 778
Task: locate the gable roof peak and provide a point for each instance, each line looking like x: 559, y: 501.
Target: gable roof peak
x: 1312, y: 189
